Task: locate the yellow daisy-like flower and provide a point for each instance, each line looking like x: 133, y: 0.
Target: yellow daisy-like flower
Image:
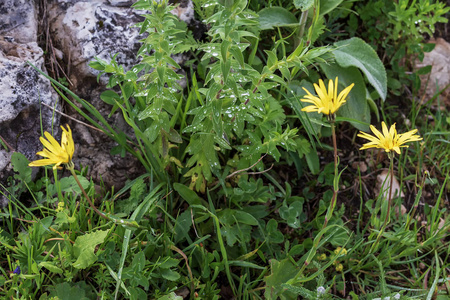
x: 388, y: 140
x: 326, y: 102
x: 54, y: 153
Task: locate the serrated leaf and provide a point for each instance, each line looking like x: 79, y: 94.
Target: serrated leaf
x: 20, y: 165
x: 355, y: 52
x: 84, y: 247
x: 272, y: 17
x: 170, y: 274
x: 169, y: 263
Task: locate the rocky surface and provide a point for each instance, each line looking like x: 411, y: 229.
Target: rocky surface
x: 74, y: 32
x: 21, y: 111
x: 18, y: 20
x: 439, y: 78
x: 84, y: 30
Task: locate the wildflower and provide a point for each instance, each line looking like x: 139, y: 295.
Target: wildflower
x: 322, y: 256
x: 17, y: 270
x: 388, y: 140
x: 397, y: 296
x: 321, y: 290
x: 326, y: 102
x: 339, y: 268
x: 60, y: 206
x: 343, y: 251
x: 54, y: 153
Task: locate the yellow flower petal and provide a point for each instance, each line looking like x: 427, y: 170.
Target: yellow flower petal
x: 389, y: 140
x: 55, y: 153
x: 327, y: 101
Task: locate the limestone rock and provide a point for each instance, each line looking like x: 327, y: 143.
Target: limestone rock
x: 84, y: 30
x: 23, y: 89
x: 18, y: 20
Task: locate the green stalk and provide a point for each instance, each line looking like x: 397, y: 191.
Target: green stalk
x: 387, y: 218
x: 330, y: 210
x: 71, y: 168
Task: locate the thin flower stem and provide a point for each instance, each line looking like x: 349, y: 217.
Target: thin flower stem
x: 388, y: 213
x: 330, y: 210
x: 336, y: 174
x: 72, y: 170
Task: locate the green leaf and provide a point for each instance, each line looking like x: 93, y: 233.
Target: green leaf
x: 273, y: 234
x: 20, y: 165
x: 357, y: 53
x: 171, y: 296
x: 80, y: 291
x: 312, y: 159
x: 51, y: 267
x: 272, y: 17
x: 69, y: 184
x: 110, y: 97
x: 170, y: 275
x: 84, y: 248
x: 328, y: 5
x: 281, y: 272
x: 169, y: 263
x: 303, y: 4
x: 245, y: 264
x: 187, y: 194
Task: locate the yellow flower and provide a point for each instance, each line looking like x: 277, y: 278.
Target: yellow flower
x: 388, y: 140
x: 322, y: 256
x: 326, y: 102
x: 339, y: 268
x: 54, y: 153
x: 60, y: 206
x: 343, y: 251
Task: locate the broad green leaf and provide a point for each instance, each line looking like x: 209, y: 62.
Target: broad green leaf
x: 328, y: 5
x: 20, y: 165
x: 171, y: 296
x: 357, y: 53
x: 69, y: 184
x: 272, y: 17
x: 187, y: 194
x: 170, y: 274
x: 79, y: 291
x: 110, y: 97
x: 84, y: 248
x: 356, y: 106
x: 281, y: 272
x: 169, y: 263
x: 303, y: 4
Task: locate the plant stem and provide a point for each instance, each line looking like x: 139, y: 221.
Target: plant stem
x: 330, y: 210
x: 336, y: 179
x: 72, y: 170
x: 388, y: 213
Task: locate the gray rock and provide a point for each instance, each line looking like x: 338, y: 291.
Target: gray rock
x: 18, y: 20
x: 84, y: 30
x: 23, y: 89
